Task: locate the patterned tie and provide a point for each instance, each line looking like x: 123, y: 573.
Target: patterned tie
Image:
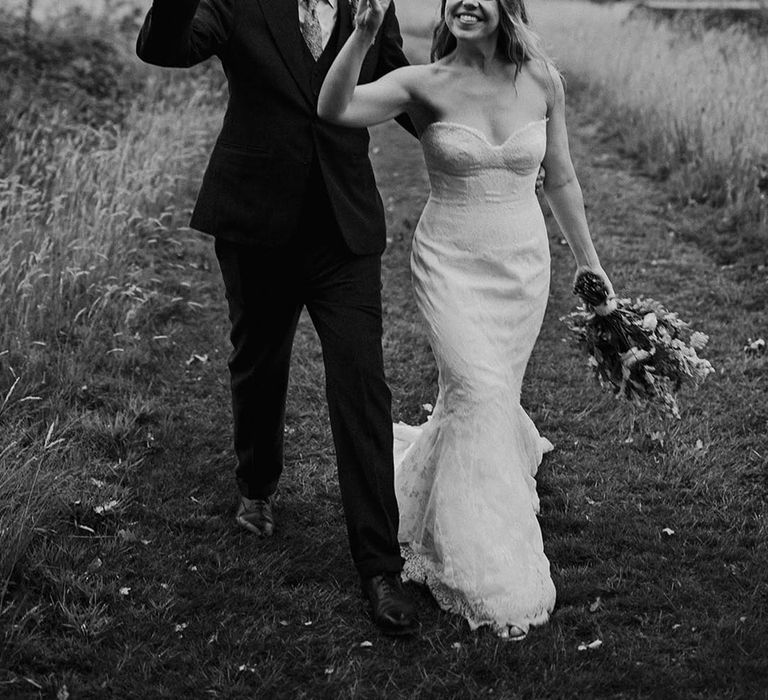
x: 310, y: 29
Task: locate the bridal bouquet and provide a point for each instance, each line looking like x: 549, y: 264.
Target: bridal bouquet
x: 639, y: 349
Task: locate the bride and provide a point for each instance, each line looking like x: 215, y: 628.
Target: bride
x: 489, y: 110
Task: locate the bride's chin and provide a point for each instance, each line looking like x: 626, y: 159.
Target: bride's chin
x: 468, y: 33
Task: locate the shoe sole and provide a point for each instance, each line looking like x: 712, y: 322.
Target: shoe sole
x: 516, y: 638
x: 519, y: 637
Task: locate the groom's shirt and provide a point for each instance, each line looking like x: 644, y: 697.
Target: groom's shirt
x: 326, y: 15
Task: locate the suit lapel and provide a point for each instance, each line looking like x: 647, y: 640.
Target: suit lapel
x: 283, y: 20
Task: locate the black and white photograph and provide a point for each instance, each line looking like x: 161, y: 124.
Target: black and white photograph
x: 384, y: 349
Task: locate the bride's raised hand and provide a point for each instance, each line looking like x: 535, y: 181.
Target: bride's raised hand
x: 370, y: 15
x: 341, y: 100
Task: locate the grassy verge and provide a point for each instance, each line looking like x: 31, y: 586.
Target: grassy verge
x: 689, y: 104
x: 95, y: 154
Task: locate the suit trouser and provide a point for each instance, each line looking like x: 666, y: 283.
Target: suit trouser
x: 266, y: 289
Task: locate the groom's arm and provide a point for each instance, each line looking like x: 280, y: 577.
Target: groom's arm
x: 391, y: 56
x: 181, y: 33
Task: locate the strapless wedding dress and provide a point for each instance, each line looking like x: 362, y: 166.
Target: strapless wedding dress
x: 465, y: 479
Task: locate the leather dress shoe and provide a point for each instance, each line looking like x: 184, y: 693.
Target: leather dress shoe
x: 255, y: 515
x: 391, y: 608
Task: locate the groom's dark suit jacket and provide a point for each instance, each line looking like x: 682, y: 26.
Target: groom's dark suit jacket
x: 259, y: 170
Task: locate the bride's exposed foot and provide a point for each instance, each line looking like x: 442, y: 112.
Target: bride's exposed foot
x: 511, y: 633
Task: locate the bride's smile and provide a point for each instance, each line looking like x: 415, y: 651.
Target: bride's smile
x: 466, y: 18
x: 472, y: 18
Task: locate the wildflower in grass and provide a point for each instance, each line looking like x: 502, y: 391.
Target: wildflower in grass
x: 754, y: 347
x: 640, y: 350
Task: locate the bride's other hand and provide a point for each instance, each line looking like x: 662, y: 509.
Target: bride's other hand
x: 596, y: 270
x: 610, y: 304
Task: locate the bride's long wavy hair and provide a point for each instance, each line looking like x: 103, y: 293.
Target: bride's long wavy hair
x: 517, y: 42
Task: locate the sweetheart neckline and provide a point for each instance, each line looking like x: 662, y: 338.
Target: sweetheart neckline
x: 481, y: 135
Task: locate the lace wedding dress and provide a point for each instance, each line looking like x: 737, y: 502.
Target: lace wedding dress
x: 465, y: 479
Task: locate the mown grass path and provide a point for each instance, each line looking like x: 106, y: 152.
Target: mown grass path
x: 167, y: 598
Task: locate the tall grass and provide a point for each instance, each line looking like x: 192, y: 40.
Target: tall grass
x: 73, y: 200
x: 691, y: 104
x: 79, y: 207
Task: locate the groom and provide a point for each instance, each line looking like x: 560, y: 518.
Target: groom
x: 298, y: 222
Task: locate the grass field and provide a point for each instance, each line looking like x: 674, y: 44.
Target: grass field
x: 689, y: 105
x: 125, y: 575
x: 95, y: 162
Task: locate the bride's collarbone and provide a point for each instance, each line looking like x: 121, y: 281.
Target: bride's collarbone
x: 474, y: 91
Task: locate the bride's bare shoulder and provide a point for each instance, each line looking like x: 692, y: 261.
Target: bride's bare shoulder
x: 424, y: 83
x: 423, y: 72
x: 433, y: 78
x: 546, y: 75
x: 423, y: 80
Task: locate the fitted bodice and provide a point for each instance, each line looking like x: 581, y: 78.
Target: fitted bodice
x: 464, y: 166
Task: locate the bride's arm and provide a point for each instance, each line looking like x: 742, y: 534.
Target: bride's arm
x: 562, y: 189
x: 344, y: 102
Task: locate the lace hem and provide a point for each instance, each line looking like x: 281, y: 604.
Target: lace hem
x: 420, y: 569
x: 468, y: 526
